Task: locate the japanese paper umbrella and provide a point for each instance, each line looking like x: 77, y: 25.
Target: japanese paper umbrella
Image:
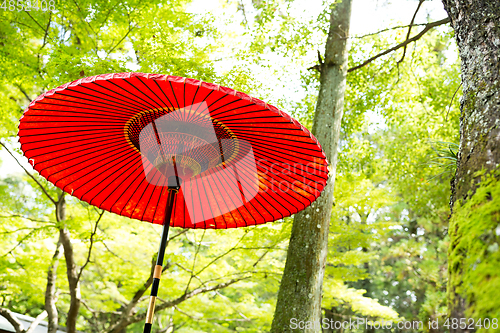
x: 172, y: 151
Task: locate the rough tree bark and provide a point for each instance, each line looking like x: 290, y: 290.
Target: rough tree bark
x: 477, y: 31
x: 300, y: 292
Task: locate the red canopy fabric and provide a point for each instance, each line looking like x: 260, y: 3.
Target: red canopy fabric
x: 113, y: 140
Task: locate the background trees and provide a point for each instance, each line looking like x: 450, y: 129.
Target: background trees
x: 398, y: 143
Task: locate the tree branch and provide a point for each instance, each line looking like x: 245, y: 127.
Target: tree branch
x: 24, y: 92
x: 130, y: 28
x: 224, y: 254
x: 29, y: 174
x: 409, y: 29
x: 194, y: 260
x: 427, y: 27
x: 46, y: 31
x: 25, y: 238
x: 93, y: 233
x: 11, y: 318
x: 27, y: 12
x: 25, y: 217
x: 208, y: 319
x: 37, y: 321
x: 388, y: 29
x: 183, y: 297
x: 129, y: 310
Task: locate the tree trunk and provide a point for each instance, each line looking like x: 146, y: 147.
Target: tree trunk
x: 477, y: 31
x: 71, y: 268
x: 50, y: 291
x: 300, y: 293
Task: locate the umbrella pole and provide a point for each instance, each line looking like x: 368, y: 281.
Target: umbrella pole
x: 172, y: 191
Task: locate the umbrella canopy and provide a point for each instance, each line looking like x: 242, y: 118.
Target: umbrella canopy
x: 114, y: 140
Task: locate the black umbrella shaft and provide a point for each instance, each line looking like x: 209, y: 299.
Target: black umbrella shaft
x: 159, y: 260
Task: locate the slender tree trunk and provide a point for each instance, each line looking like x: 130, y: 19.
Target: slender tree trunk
x: 300, y: 293
x: 71, y: 268
x: 50, y: 291
x: 477, y: 31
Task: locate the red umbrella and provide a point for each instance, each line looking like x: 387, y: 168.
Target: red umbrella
x: 166, y: 149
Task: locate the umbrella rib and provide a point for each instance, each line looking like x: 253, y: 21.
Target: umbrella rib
x: 246, y: 224
x: 119, y: 97
x: 143, y: 181
x: 99, y: 100
x: 78, y: 115
x: 283, y: 159
x: 173, y: 93
x: 230, y: 211
x: 168, y: 99
x: 184, y: 209
x: 116, y: 98
x: 72, y: 121
x: 224, y: 115
x: 289, y: 183
x: 144, y: 104
x: 217, y: 115
x: 223, y: 201
x: 152, y: 192
x: 192, y: 102
x: 192, y: 205
x: 101, y: 204
x: 79, y: 170
x: 184, y: 94
x: 86, y: 106
x: 122, y: 149
x: 276, y: 136
x: 208, y: 200
x: 222, y: 106
x: 120, y: 130
x: 116, y: 142
x: 286, y: 152
x: 140, y: 172
x: 58, y: 144
x: 151, y: 106
x: 217, y: 100
x: 279, y: 158
x: 164, y: 156
x: 201, y: 210
x: 192, y: 116
x: 131, y: 172
x: 268, y: 162
x: 91, y: 100
x: 244, y: 179
x: 247, y: 125
x: 147, y: 86
x: 261, y: 204
x: 249, y: 138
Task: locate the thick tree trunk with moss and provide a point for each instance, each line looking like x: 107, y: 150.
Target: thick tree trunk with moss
x: 477, y: 30
x: 300, y: 293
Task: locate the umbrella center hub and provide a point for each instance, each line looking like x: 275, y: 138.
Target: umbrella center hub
x: 181, y: 142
